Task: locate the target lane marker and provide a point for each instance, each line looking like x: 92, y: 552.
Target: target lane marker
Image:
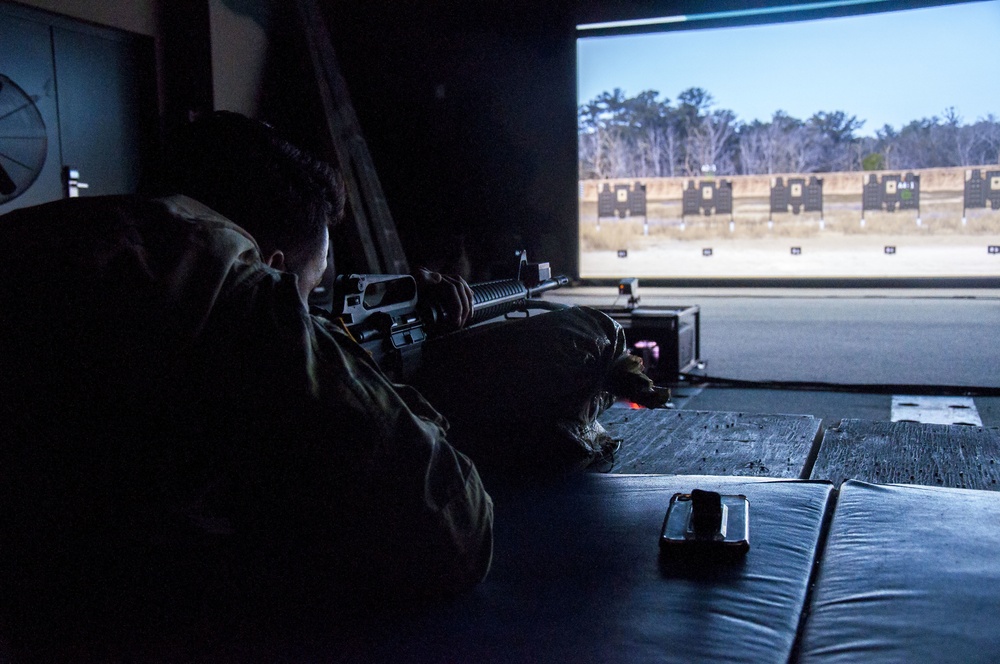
x: 935, y: 410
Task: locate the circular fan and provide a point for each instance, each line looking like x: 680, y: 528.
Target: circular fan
x: 23, y: 141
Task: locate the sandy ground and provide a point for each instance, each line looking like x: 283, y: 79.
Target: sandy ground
x: 943, y: 240
x: 824, y: 256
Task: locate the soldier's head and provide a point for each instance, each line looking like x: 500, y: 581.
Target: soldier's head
x: 241, y: 168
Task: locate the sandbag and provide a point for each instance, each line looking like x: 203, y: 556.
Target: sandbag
x: 526, y: 393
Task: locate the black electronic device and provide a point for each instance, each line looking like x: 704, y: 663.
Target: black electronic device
x: 706, y: 522
x: 667, y: 338
x: 629, y: 287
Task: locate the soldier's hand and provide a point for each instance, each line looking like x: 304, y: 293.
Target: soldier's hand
x: 449, y: 294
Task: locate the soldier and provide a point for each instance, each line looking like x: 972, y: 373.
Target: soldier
x: 180, y: 433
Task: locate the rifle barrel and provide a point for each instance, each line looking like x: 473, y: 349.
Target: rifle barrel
x: 495, y: 298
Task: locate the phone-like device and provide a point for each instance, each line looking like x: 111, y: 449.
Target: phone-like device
x: 706, y: 522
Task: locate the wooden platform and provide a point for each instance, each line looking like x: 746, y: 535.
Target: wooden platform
x: 910, y: 453
x: 690, y: 442
x: 686, y: 442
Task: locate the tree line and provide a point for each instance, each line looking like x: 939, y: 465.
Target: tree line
x: 645, y: 136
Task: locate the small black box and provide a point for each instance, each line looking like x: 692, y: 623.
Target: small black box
x: 728, y: 535
x: 665, y: 337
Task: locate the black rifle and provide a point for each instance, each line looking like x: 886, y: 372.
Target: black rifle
x: 381, y: 311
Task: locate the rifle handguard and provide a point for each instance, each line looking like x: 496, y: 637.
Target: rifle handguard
x: 496, y: 298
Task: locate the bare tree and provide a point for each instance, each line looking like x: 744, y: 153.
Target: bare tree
x: 672, y: 146
x: 711, y: 140
x: 987, y: 130
x: 779, y: 146
x: 751, y: 147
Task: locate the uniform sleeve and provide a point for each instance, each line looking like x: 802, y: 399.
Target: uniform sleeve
x: 369, y: 475
x: 346, y: 473
x: 426, y: 517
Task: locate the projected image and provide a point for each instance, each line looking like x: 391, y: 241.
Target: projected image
x: 860, y: 146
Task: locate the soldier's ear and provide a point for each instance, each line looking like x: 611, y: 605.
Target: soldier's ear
x: 276, y: 260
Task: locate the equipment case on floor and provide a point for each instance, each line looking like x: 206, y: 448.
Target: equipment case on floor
x: 665, y: 337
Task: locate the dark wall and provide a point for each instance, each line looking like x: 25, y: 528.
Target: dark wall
x: 186, y: 60
x: 470, y: 119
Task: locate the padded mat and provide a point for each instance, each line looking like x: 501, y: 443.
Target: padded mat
x: 577, y: 578
x: 909, y: 574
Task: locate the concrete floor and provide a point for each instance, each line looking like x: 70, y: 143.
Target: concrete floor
x: 924, y: 339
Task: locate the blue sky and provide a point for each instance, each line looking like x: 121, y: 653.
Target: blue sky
x: 887, y: 68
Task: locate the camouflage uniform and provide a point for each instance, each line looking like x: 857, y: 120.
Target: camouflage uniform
x: 169, y: 405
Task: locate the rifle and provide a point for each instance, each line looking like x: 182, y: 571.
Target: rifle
x: 383, y: 315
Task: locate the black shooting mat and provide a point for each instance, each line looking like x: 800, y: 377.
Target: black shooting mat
x: 577, y: 577
x: 910, y: 453
x: 908, y: 574
x: 686, y: 442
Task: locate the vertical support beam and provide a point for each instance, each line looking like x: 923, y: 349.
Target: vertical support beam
x: 382, y: 247
x: 186, y: 42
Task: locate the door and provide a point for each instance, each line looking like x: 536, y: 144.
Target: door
x: 81, y: 95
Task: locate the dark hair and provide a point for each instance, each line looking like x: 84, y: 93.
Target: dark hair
x: 244, y: 170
